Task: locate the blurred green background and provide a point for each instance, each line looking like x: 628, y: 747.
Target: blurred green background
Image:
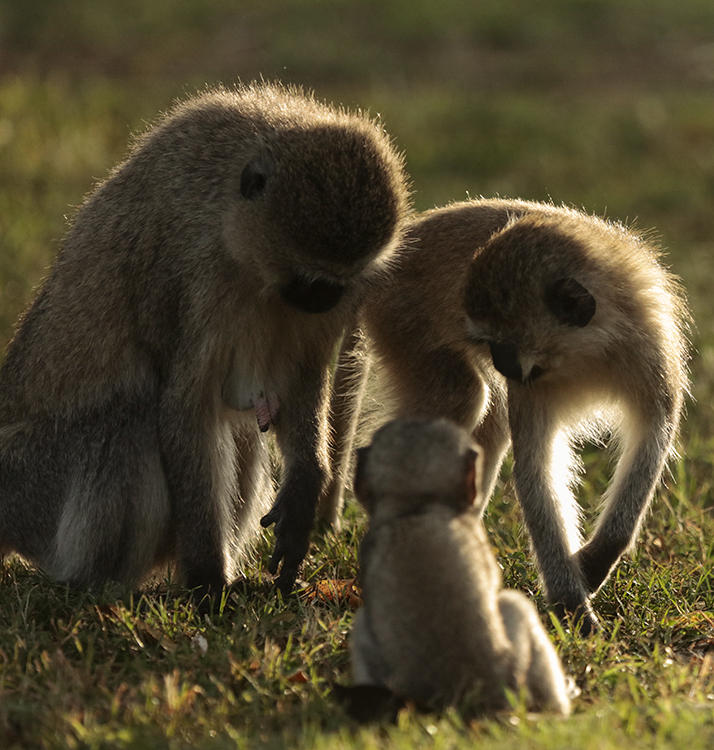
x: 603, y: 104
x: 607, y: 105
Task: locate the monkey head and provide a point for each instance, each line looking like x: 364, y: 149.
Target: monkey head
x: 527, y: 298
x: 415, y: 462
x: 324, y: 200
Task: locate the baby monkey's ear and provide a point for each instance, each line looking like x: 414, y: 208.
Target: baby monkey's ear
x: 361, y: 489
x: 570, y: 302
x: 473, y: 497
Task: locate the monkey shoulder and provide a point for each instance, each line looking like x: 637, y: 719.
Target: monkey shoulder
x: 423, y: 300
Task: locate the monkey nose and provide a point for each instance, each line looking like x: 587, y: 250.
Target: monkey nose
x: 505, y: 360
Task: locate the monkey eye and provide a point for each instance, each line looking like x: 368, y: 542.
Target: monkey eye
x: 254, y: 178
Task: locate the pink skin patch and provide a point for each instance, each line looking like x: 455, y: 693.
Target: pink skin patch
x: 267, y: 410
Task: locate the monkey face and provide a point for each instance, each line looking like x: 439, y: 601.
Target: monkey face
x: 323, y: 208
x: 329, y: 199
x: 523, y: 305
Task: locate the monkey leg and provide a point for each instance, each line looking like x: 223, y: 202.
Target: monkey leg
x: 536, y: 662
x: 633, y: 485
x: 348, y: 388
x: 493, y: 437
x: 368, y: 698
x: 368, y: 665
x: 198, y: 453
x: 91, y: 495
x: 542, y: 471
x: 33, y: 486
x: 115, y: 523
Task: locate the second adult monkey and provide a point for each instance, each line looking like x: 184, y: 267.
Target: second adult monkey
x: 543, y: 326
x: 204, y: 284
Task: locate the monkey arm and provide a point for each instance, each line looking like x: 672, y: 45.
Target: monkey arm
x: 543, y: 472
x: 646, y: 448
x: 302, y: 439
x: 536, y: 660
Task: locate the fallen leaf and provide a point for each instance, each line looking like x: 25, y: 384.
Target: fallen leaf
x: 336, y: 590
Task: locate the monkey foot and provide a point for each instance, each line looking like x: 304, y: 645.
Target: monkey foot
x: 368, y: 703
x: 582, y: 617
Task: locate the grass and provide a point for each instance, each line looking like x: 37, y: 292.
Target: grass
x: 596, y: 103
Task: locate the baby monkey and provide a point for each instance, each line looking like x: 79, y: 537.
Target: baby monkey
x: 436, y: 627
x: 541, y: 326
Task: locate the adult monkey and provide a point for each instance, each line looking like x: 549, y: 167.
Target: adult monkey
x: 540, y: 325
x: 205, y: 283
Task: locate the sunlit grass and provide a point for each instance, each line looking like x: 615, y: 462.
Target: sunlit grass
x: 598, y: 104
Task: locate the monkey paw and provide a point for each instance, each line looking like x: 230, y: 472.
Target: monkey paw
x: 206, y: 590
x: 291, y: 545
x: 581, y: 616
x: 596, y: 562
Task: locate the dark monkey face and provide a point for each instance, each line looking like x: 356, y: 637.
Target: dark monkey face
x: 568, y: 304
x: 306, y: 293
x: 522, y: 298
x: 312, y: 295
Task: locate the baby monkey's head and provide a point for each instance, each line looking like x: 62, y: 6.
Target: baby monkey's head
x: 413, y: 463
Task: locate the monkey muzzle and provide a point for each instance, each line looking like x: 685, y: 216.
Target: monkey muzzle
x: 506, y: 360
x: 312, y: 295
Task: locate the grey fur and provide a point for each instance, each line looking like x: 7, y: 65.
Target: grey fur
x: 205, y: 283
x: 436, y: 627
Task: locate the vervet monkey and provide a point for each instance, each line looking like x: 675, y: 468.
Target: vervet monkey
x: 197, y: 300
x: 436, y: 627
x: 544, y: 326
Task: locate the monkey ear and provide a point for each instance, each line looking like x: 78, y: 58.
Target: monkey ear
x: 361, y: 490
x: 570, y: 302
x: 254, y: 178
x: 472, y: 487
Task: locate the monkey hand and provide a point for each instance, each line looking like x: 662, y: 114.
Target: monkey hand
x: 292, y: 540
x: 582, y: 617
x: 595, y: 562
